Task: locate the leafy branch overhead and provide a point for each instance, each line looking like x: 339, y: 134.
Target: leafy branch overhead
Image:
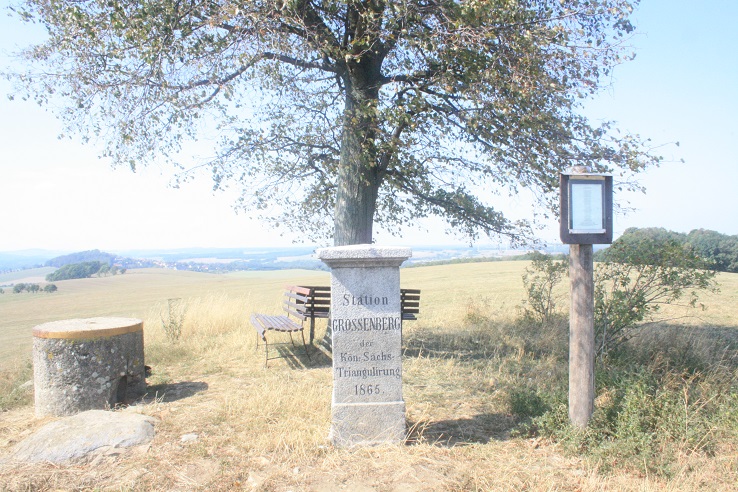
x: 349, y: 111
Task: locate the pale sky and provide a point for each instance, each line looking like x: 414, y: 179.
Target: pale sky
x: 681, y: 87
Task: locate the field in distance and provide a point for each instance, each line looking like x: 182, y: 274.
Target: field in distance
x: 140, y: 293
x: 143, y: 293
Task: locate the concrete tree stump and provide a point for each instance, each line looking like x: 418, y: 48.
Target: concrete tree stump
x: 87, y: 364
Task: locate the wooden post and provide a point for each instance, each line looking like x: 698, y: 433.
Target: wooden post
x: 581, y: 335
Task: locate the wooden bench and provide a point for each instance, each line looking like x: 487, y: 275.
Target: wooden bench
x: 311, y: 302
x: 294, y: 304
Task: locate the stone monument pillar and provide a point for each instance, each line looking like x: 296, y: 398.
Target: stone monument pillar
x: 366, y: 322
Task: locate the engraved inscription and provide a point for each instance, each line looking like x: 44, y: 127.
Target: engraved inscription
x: 365, y: 300
x: 365, y: 357
x: 368, y: 372
x: 366, y: 324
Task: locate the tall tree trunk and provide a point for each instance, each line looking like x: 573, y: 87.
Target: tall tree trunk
x: 359, y: 175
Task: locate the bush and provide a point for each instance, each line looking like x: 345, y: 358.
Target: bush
x: 672, y: 394
x: 173, y: 321
x: 539, y: 281
x: 636, y: 279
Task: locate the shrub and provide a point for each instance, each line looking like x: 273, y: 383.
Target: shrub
x: 638, y: 278
x: 654, y: 406
x: 539, y: 281
x: 174, y: 319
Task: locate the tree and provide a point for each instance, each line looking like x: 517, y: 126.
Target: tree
x: 50, y: 288
x: 637, y: 278
x: 347, y: 112
x: 80, y: 257
x: 720, y: 249
x: 86, y: 269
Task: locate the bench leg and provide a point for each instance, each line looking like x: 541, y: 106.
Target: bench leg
x: 305, y: 344
x: 266, y: 353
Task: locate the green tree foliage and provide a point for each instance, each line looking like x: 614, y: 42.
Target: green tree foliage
x: 637, y: 278
x: 76, y: 270
x: 24, y: 287
x: 639, y: 273
x: 721, y: 250
x: 347, y: 112
x: 718, y: 250
x: 50, y: 288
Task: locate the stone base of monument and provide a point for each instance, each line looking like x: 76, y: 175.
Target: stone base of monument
x: 367, y: 424
x: 87, y: 364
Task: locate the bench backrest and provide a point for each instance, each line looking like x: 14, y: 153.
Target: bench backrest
x: 294, y: 301
x: 410, y: 303
x: 318, y: 304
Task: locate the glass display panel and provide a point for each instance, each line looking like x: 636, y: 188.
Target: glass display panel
x: 586, y: 210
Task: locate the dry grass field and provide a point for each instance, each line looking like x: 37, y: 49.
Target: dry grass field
x: 265, y: 429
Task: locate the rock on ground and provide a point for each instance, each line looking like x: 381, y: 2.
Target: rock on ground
x: 76, y: 437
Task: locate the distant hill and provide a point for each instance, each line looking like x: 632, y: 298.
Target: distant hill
x: 82, y: 257
x: 30, y: 258
x: 223, y: 260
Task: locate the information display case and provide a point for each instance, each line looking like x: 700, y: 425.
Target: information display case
x: 586, y: 208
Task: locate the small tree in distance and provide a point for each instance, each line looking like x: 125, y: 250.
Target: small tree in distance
x: 539, y: 280
x: 349, y: 112
x: 636, y: 278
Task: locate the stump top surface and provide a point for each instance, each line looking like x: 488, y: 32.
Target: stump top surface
x: 88, y: 328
